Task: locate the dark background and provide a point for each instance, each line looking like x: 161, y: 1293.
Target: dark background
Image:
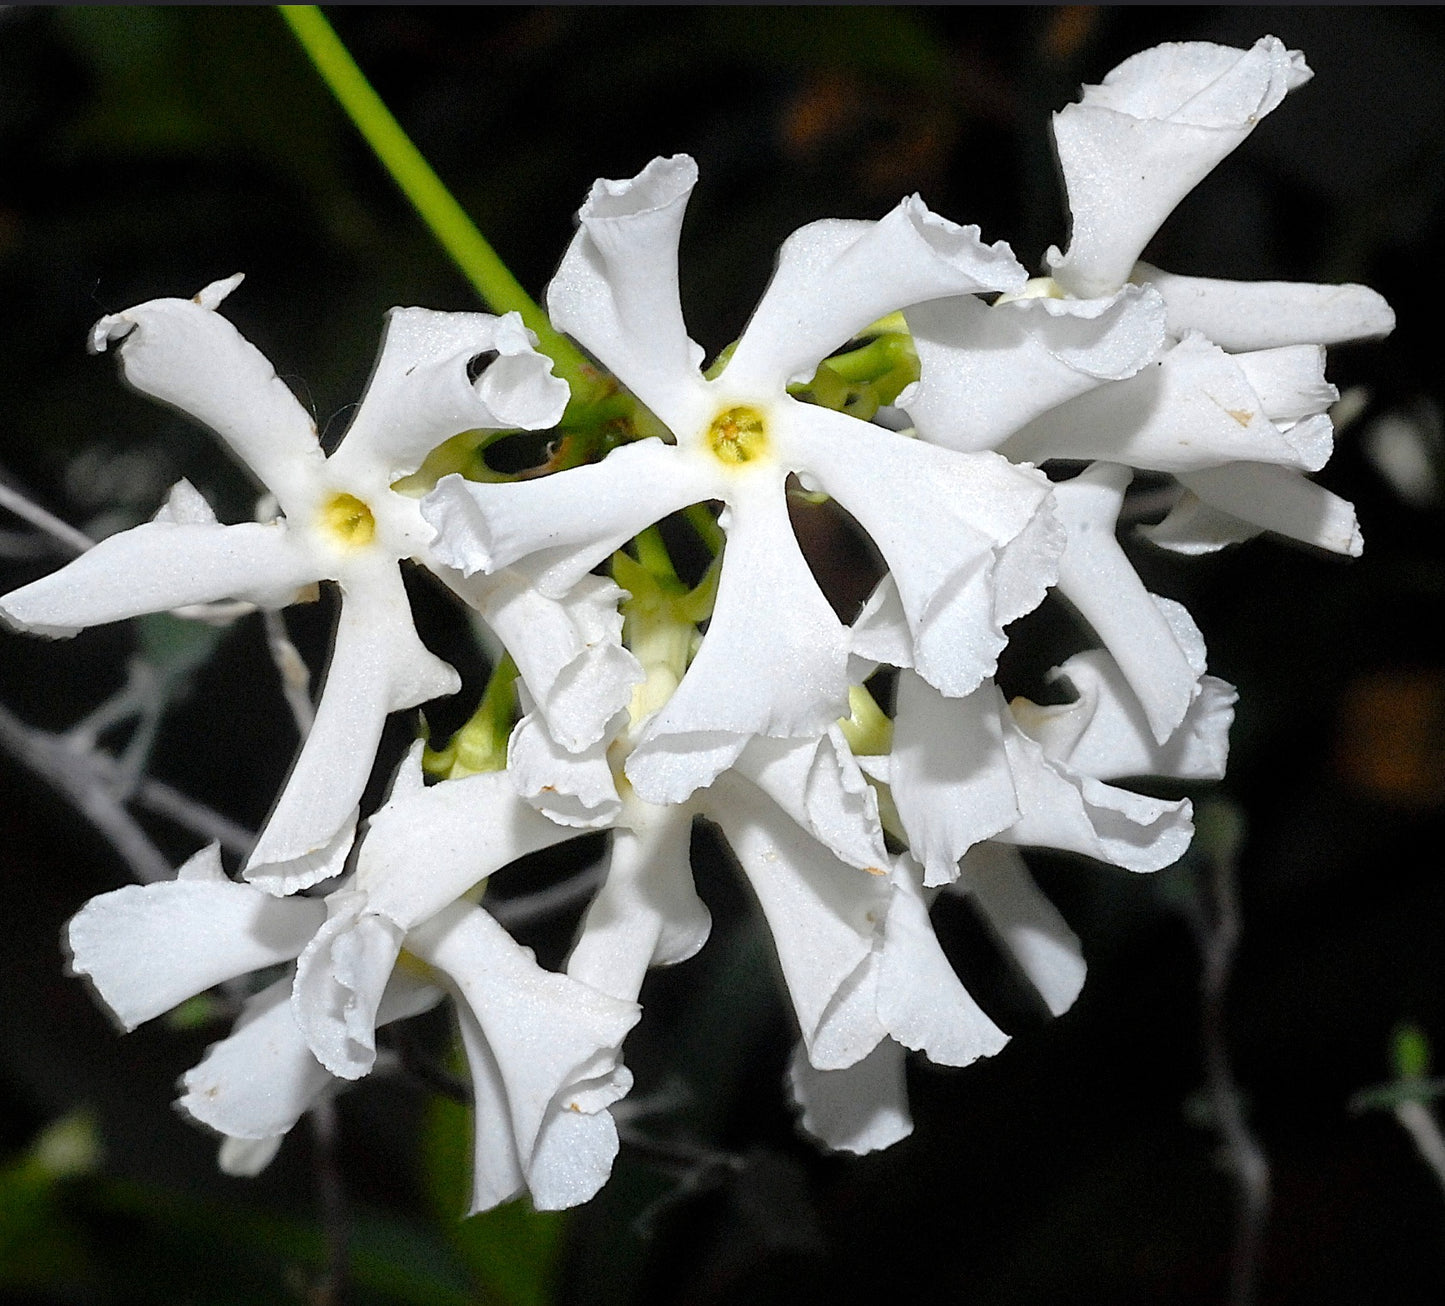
x: 146, y: 152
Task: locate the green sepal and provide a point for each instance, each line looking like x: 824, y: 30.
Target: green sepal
x: 481, y: 744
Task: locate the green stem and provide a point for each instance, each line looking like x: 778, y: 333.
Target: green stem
x: 445, y: 218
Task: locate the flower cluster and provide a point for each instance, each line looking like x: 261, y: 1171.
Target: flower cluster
x: 902, y: 368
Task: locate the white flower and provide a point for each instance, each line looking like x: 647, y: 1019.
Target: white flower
x: 148, y: 948
x: 860, y: 1109
x: 1039, y: 776
x: 986, y: 371
x: 343, y: 522
x: 1237, y: 428
x: 541, y: 1048
x: 969, y: 538
x: 1026, y: 795
x: 542, y: 1051
x: 848, y: 921
x: 972, y: 777
x: 423, y: 850
x: 1142, y: 140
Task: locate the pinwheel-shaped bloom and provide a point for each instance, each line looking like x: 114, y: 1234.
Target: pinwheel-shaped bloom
x: 1220, y: 383
x: 973, y: 778
x: 148, y: 948
x: 848, y: 921
x: 964, y: 770
x: 969, y: 538
x: 541, y: 1048
x: 1237, y: 428
x: 343, y: 522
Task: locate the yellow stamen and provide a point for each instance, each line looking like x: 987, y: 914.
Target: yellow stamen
x: 738, y: 435
x: 349, y: 520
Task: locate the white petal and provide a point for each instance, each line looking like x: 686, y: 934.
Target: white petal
x: 158, y: 566
x: 425, y: 848
x: 1105, y: 733
x: 573, y: 789
x: 1278, y: 499
x: 985, y: 372
x: 1240, y: 315
x: 1141, y: 141
x: 497, y: 1173
x: 819, y: 784
x: 835, y: 277
x: 545, y: 1034
x: 948, y: 774
x: 258, y: 1082
x: 616, y: 290
x: 1025, y: 922
x: 340, y: 979
x: 147, y: 948
x: 822, y: 914
x: 1192, y: 527
x: 773, y: 662
x: 969, y: 538
x: 419, y: 393
x: 378, y: 665
x: 880, y: 632
x: 1290, y: 381
x: 1193, y: 408
x: 245, y: 1158
x: 186, y: 354
x: 647, y: 912
x: 581, y: 516
x: 1161, y: 656
x: 920, y: 1000
x: 1076, y: 813
x: 569, y: 651
x: 185, y: 505
x: 861, y: 1109
x: 573, y: 1157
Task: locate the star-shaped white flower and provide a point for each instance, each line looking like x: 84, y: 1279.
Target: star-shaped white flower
x: 148, y: 948
x: 541, y: 1047
x: 1220, y: 383
x: 968, y: 537
x: 341, y: 521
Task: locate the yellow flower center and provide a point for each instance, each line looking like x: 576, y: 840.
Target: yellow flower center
x: 738, y: 435
x: 348, y: 520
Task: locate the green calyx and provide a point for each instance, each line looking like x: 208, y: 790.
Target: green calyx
x: 863, y: 380
x: 481, y: 744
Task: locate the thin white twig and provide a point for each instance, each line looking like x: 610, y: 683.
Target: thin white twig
x: 58, y: 761
x: 292, y: 668
x: 1419, y: 1122
x: 1216, y: 924
x: 91, y: 779
x: 331, y: 1196
x: 75, y: 541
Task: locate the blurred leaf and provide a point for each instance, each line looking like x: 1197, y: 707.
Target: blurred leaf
x: 40, y: 1245
x: 388, y: 1257
x: 143, y: 102
x: 892, y: 44
x: 194, y: 80
x: 512, y: 1250
x: 172, y: 644
x: 1411, y: 1052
